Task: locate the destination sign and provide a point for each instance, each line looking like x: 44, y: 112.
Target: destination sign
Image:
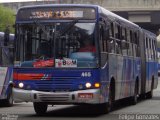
x: 47, y: 13
x: 56, y: 14
x: 65, y: 63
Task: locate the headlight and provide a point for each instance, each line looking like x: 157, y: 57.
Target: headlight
x: 88, y: 85
x: 21, y: 85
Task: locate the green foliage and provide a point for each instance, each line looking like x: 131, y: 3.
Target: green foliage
x: 7, y: 18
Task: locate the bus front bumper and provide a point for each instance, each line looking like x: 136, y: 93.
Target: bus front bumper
x: 90, y: 96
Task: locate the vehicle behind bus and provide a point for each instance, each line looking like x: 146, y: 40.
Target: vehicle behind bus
x: 158, y: 52
x: 6, y: 70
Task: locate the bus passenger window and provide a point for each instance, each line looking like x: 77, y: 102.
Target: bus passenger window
x: 130, y: 52
x: 111, y: 31
x: 124, y: 45
x: 128, y: 36
x: 111, y: 47
x: 118, y: 47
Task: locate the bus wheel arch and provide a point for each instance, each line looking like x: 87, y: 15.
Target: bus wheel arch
x: 152, y: 83
x: 137, y: 82
x: 9, y: 99
x: 111, y: 94
x: 149, y: 95
x: 113, y: 87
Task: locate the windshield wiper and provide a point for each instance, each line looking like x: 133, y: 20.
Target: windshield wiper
x: 69, y: 27
x: 58, y: 36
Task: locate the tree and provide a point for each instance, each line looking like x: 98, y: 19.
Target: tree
x: 7, y: 18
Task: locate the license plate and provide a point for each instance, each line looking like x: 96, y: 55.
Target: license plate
x: 85, y: 95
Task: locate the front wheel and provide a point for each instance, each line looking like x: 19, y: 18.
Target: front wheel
x: 40, y: 108
x: 108, y: 107
x: 9, y: 100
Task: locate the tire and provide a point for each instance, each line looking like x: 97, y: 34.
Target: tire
x: 40, y: 108
x: 9, y: 100
x: 108, y: 107
x: 110, y: 101
x: 134, y: 98
x: 149, y: 95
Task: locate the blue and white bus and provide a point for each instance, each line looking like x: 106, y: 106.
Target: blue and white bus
x: 6, y: 70
x: 158, y: 52
x: 51, y: 68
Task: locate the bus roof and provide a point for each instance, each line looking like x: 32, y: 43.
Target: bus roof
x: 99, y: 8
x: 60, y: 5
x: 113, y: 15
x: 149, y: 33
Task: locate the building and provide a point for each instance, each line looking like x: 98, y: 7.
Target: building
x: 146, y: 13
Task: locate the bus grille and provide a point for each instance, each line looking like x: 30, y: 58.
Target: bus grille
x: 54, y: 97
x: 63, y: 84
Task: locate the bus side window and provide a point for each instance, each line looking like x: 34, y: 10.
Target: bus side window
x: 111, y: 45
x: 118, y: 40
x: 104, y: 36
x: 124, y: 46
x: 111, y: 41
x: 118, y: 47
x: 154, y: 51
x: 147, y: 48
x: 111, y: 30
x: 129, y: 33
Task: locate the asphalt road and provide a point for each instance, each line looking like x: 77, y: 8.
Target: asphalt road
x: 145, y: 110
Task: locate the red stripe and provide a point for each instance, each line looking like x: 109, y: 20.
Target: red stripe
x: 27, y: 76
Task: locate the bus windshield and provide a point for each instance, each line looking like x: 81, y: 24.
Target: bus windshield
x: 68, y: 44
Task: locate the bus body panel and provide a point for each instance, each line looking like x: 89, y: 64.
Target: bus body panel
x: 127, y: 70
x: 90, y: 96
x: 137, y: 73
x: 151, y: 71
x: 149, y: 62
x: 51, y: 79
x: 58, y: 80
x: 5, y: 81
x: 6, y: 67
x: 125, y: 83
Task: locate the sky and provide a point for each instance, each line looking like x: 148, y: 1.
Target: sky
x: 4, y: 1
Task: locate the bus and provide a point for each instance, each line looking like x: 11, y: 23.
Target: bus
x: 158, y: 54
x: 50, y: 69
x: 6, y: 69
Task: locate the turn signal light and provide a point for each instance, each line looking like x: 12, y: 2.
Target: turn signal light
x: 97, y: 85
